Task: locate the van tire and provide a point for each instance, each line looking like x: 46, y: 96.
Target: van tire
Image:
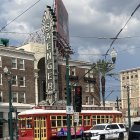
x: 102, y: 137
x: 121, y: 136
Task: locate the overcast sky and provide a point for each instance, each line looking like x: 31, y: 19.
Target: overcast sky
x: 88, y: 20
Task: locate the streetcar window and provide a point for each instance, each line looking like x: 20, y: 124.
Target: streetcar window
x: 102, y: 119
x: 53, y: 121
x: 64, y: 121
x: 59, y: 123
x: 86, y: 120
x: 98, y: 120
x: 94, y: 120
x: 53, y: 117
x: 93, y: 117
x: 80, y: 121
x: 29, y: 122
x: 23, y: 123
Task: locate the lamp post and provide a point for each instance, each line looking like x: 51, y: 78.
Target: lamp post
x: 10, y: 122
x: 113, y: 55
x: 128, y: 102
x: 68, y: 98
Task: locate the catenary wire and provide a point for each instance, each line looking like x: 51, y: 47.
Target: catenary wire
x: 122, y: 29
x: 19, y: 15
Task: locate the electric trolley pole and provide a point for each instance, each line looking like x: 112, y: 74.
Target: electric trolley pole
x: 128, y: 101
x: 10, y: 119
x: 68, y: 98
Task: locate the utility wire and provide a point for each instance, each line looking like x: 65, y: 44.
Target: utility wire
x: 100, y: 54
x: 122, y: 29
x: 19, y: 15
x: 85, y: 37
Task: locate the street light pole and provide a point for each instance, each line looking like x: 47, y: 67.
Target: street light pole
x: 128, y: 101
x: 10, y: 122
x: 68, y: 98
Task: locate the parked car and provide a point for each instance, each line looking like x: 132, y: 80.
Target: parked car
x: 134, y: 132
x: 106, y: 132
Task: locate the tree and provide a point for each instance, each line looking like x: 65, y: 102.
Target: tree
x: 104, y: 69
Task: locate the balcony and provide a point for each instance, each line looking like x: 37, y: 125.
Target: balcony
x: 90, y: 80
x: 73, y: 78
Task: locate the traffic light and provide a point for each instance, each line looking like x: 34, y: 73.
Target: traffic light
x: 78, y: 99
x: 65, y: 91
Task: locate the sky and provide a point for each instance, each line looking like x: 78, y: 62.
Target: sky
x: 89, y: 21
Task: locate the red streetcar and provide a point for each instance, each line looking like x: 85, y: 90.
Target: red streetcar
x: 42, y: 124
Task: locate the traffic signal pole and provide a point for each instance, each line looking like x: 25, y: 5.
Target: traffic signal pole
x: 68, y: 98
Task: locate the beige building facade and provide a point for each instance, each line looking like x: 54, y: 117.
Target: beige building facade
x: 130, y: 85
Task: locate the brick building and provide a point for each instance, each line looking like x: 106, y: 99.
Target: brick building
x: 130, y: 84
x: 78, y: 77
x: 78, y: 69
x: 21, y: 67
x: 27, y: 67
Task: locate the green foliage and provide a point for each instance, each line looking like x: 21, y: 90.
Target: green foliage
x: 103, y: 68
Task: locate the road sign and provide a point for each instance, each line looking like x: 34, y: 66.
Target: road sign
x: 76, y: 116
x: 69, y: 109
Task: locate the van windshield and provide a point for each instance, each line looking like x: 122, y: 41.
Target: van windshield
x: 136, y: 126
x: 98, y: 127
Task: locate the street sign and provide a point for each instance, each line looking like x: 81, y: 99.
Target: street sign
x: 69, y: 109
x: 76, y: 116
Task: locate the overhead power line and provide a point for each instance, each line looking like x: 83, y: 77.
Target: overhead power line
x: 14, y: 33
x: 85, y: 37
x: 122, y: 29
x: 19, y: 15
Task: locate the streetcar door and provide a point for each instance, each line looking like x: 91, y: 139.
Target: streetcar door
x: 40, y: 128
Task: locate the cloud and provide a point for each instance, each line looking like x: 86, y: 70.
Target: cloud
x: 88, y: 54
x: 87, y: 18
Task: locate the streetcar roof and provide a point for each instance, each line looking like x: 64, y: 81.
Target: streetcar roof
x: 43, y: 111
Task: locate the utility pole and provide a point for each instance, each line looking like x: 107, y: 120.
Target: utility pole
x: 68, y: 98
x: 10, y: 119
x: 128, y: 101
x: 118, y: 100
x: 10, y: 111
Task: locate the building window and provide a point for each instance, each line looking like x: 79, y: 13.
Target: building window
x: 0, y: 79
x: 87, y: 100
x: 91, y: 87
x: 22, y: 81
x: 21, y: 64
x: 22, y: 98
x: 73, y: 72
x: 86, y: 72
x: 14, y: 80
x: 15, y: 97
x: 0, y: 62
x: 14, y: 63
x: 1, y: 97
x: 91, y: 74
x: 93, y: 101
x: 123, y: 78
x: 87, y: 88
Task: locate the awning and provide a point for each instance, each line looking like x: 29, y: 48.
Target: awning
x: 2, y: 120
